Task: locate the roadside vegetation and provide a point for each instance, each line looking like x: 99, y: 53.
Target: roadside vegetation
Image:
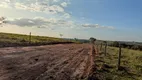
x: 131, y: 65
x: 132, y: 45
x: 8, y: 39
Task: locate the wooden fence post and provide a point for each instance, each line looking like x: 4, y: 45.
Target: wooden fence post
x: 105, y: 48
x: 30, y: 38
x: 101, y: 47
x: 119, y: 57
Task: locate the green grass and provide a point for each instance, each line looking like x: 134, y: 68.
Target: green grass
x: 8, y: 39
x: 131, y: 64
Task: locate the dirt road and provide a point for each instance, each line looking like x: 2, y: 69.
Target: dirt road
x: 51, y: 62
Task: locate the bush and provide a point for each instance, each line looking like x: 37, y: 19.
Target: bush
x: 116, y: 44
x: 23, y: 40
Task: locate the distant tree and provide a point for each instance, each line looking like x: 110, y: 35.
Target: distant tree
x: 140, y: 47
x: 61, y: 35
x: 92, y: 40
x: 105, y: 41
x: 2, y: 20
x: 116, y: 44
x: 124, y: 45
x: 135, y: 47
x: 75, y: 39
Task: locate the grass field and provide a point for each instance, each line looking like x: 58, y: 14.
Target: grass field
x: 8, y: 39
x: 131, y: 64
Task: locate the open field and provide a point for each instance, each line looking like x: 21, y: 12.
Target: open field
x: 50, y: 62
x: 8, y: 39
x: 63, y: 61
x: 131, y: 65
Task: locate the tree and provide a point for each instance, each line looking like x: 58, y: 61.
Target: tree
x: 92, y: 40
x: 61, y: 35
x: 75, y: 39
x: 116, y: 44
x: 2, y: 20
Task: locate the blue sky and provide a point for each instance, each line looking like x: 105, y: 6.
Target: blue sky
x: 102, y: 19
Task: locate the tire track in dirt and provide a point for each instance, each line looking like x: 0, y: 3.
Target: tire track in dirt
x: 71, y: 67
x: 59, y: 64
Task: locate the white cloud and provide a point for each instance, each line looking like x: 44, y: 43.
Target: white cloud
x: 56, y: 8
x: 4, y: 5
x: 50, y: 7
x: 97, y: 26
x: 66, y: 15
x: 8, y: 1
x: 20, y: 6
x: 30, y: 21
x: 64, y: 4
x: 38, y: 7
x: 56, y: 0
x: 47, y: 6
x: 40, y: 22
x: 50, y: 22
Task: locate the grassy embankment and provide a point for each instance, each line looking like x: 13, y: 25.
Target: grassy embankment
x: 8, y: 39
x: 131, y: 63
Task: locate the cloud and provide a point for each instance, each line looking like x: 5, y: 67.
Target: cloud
x: 47, y: 6
x: 40, y: 22
x: 40, y: 7
x: 97, y: 26
x: 27, y: 22
x: 66, y: 15
x: 4, y: 5
x: 64, y: 4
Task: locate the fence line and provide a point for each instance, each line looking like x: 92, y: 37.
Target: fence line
x: 105, y: 53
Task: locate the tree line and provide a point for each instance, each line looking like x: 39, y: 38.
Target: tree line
x: 126, y: 45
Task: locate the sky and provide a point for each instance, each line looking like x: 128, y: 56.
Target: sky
x: 117, y: 20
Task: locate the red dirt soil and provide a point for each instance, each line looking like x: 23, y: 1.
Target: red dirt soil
x: 50, y: 62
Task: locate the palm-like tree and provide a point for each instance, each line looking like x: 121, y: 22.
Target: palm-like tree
x: 2, y: 20
x: 61, y: 35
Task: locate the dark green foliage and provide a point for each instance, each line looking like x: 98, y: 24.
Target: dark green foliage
x: 116, y: 44
x: 129, y: 46
x: 92, y: 40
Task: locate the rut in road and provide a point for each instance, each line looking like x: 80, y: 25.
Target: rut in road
x: 64, y: 68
